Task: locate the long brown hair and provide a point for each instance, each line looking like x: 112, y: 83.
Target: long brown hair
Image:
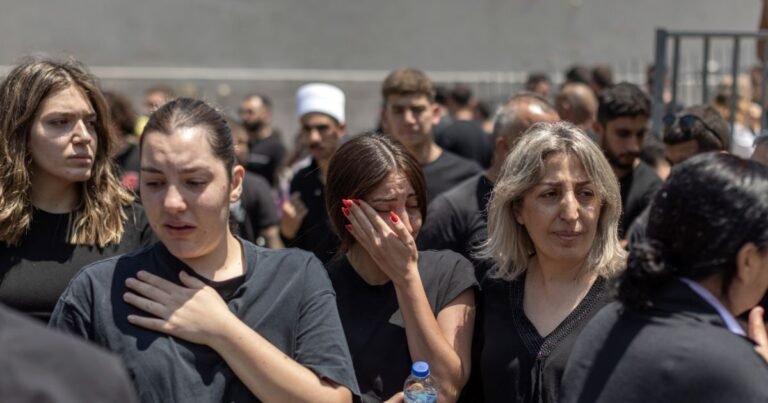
x: 100, y: 218
x: 358, y: 166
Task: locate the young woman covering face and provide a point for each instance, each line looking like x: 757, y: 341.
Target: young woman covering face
x: 61, y: 206
x: 203, y: 316
x: 397, y: 305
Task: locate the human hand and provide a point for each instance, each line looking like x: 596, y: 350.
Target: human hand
x: 294, y: 212
x: 194, y: 312
x: 399, y: 397
x: 390, y: 244
x: 757, y: 331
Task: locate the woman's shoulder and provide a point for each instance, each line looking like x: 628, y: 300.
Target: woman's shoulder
x: 284, y: 265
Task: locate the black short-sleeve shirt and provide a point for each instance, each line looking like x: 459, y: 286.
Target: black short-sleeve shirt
x: 373, y: 322
x: 255, y: 210
x: 265, y: 155
x: 34, y: 273
x: 447, y: 171
x: 458, y: 220
x: 285, y: 296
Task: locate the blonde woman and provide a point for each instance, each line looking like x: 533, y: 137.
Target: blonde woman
x: 552, y: 233
x: 61, y: 206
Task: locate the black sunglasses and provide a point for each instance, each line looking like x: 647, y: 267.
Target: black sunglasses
x: 686, y: 123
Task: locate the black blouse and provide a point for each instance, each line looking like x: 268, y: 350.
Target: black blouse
x: 516, y: 363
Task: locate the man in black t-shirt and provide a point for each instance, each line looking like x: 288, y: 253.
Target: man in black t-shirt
x: 254, y: 215
x: 457, y: 218
x: 409, y: 116
x: 304, y: 223
x: 266, y: 148
x: 464, y: 137
x: 622, y: 122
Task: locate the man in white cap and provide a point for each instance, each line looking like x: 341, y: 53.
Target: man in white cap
x: 305, y: 224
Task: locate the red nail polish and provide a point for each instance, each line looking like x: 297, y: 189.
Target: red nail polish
x: 357, y: 201
x: 346, y: 202
x: 393, y: 217
x: 348, y: 227
x: 345, y: 211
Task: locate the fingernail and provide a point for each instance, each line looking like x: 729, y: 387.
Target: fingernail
x: 346, y: 202
x: 348, y: 227
x: 393, y: 217
x: 357, y: 201
x: 345, y: 211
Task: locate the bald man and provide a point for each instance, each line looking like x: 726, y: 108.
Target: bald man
x: 577, y: 103
x: 456, y: 218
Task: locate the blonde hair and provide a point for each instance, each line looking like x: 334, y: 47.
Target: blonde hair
x: 100, y: 219
x: 508, y: 243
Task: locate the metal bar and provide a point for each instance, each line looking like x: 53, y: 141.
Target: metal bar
x: 735, y: 83
x: 720, y: 34
x: 763, y: 87
x: 675, y: 67
x: 659, y: 61
x: 705, y: 72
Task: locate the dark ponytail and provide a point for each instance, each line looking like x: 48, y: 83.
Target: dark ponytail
x: 709, y: 208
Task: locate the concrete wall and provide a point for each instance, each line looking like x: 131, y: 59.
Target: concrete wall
x: 435, y: 35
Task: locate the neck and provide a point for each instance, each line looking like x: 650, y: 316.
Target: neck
x: 365, y: 266
x: 492, y: 173
x: 223, y: 263
x: 322, y: 165
x: 464, y: 114
x: 54, y: 196
x: 714, y: 284
x: 262, y: 133
x: 553, y: 272
x: 426, y: 153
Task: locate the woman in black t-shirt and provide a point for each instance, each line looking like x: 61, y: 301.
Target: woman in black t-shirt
x: 202, y: 316
x: 61, y: 205
x: 397, y: 304
x: 552, y: 221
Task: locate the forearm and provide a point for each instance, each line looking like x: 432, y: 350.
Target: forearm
x: 426, y: 341
x: 268, y: 373
x: 288, y: 228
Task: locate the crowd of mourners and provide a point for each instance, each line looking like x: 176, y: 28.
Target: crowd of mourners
x: 553, y: 251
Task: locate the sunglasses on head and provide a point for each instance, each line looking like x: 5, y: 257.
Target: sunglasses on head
x: 686, y: 123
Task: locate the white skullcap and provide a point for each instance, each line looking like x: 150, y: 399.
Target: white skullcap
x: 322, y: 98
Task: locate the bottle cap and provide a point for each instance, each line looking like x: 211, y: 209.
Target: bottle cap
x: 420, y: 369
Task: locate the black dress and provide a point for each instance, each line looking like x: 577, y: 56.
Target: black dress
x: 677, y: 351
x: 517, y: 364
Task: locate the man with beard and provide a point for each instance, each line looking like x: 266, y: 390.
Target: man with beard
x: 304, y: 223
x: 622, y: 122
x: 267, y: 150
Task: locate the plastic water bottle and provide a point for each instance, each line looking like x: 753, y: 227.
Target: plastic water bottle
x: 419, y: 386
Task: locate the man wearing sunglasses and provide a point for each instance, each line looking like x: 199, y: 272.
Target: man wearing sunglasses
x: 695, y: 130
x: 622, y: 122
